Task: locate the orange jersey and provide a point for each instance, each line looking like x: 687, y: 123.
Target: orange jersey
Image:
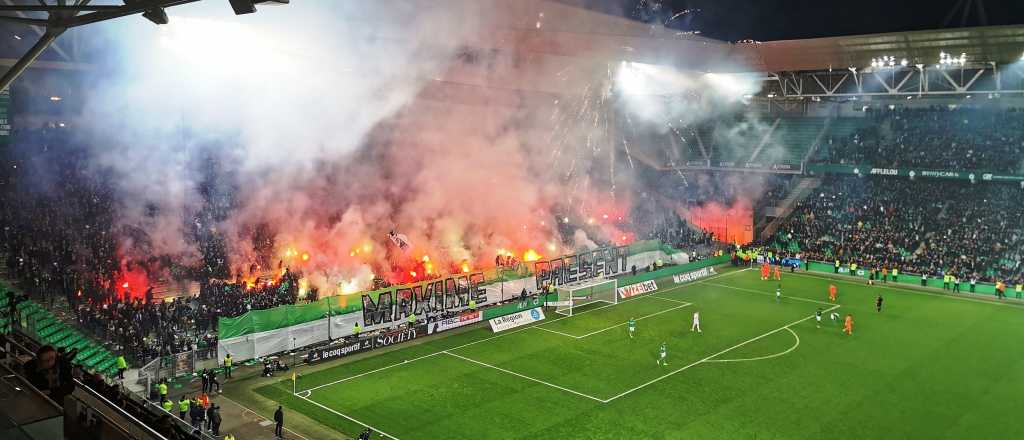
x: 832, y: 290
x: 849, y: 322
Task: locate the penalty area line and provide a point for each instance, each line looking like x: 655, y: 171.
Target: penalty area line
x: 347, y: 417
x: 683, y: 368
x: 525, y: 377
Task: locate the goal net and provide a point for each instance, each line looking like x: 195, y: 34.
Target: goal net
x: 575, y: 295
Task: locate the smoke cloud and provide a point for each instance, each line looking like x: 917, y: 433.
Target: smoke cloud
x: 301, y: 136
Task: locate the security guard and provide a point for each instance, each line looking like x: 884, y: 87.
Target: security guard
x: 122, y: 365
x: 163, y: 391
x: 227, y: 366
x: 183, y: 406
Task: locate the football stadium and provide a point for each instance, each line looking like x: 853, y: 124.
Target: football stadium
x: 530, y: 219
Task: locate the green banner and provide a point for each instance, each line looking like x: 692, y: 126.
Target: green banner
x: 912, y: 173
x: 255, y: 321
x: 672, y: 270
x: 5, y: 115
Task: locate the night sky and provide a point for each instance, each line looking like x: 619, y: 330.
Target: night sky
x: 767, y: 20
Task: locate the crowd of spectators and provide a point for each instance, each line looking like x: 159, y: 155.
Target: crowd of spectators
x: 919, y: 226
x: 60, y: 237
x: 937, y: 138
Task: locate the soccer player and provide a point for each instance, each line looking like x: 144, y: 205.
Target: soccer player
x: 832, y: 290
x: 834, y: 316
x: 632, y: 327
x: 764, y: 271
x: 848, y: 325
x: 778, y: 274
x: 696, y: 322
x: 663, y: 355
x: 778, y: 293
x: 878, y: 304
x: 817, y: 317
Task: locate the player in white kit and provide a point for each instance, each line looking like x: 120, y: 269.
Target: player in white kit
x: 696, y: 322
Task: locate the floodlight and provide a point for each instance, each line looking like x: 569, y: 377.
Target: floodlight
x: 249, y: 6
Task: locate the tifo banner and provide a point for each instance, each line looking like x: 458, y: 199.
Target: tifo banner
x: 465, y: 318
x: 581, y: 267
x: 637, y: 289
x: 514, y: 320
x: 335, y: 352
x: 693, y: 276
x: 424, y: 299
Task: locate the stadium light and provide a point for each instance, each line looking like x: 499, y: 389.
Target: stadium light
x: 946, y: 59
x: 249, y: 6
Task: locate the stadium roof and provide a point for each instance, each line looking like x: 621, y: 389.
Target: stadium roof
x: 1000, y: 44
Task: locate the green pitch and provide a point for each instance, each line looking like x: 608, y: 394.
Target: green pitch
x: 928, y: 366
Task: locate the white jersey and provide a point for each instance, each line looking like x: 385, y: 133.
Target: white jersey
x: 696, y: 318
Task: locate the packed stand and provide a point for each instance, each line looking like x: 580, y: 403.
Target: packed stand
x: 930, y: 227
x: 59, y: 239
x: 937, y: 138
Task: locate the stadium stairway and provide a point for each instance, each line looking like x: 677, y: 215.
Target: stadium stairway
x: 801, y: 190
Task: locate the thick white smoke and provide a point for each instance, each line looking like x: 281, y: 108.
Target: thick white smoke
x: 332, y: 124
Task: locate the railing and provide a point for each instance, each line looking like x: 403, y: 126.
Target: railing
x: 151, y: 407
x: 85, y: 400
x: 186, y: 362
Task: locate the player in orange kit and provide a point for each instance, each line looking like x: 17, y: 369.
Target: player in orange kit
x: 778, y: 273
x: 764, y: 271
x: 848, y: 325
x: 832, y: 290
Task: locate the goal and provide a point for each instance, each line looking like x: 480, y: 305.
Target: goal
x: 575, y: 295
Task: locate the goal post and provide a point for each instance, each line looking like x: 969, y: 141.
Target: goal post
x: 575, y: 295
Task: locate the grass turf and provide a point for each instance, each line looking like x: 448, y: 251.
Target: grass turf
x: 928, y: 366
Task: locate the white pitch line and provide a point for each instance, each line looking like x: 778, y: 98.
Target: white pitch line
x: 638, y: 319
x: 525, y: 377
x: 761, y: 358
x: 742, y: 289
x: 503, y: 334
x: 347, y: 417
x: 668, y: 299
x: 712, y: 356
x: 555, y: 331
x: 221, y: 396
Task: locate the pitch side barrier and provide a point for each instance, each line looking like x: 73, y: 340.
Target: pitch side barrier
x: 910, y: 279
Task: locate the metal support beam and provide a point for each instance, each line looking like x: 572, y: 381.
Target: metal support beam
x: 10, y: 7
x: 44, y: 41
x: 41, y: 29
x: 122, y: 11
